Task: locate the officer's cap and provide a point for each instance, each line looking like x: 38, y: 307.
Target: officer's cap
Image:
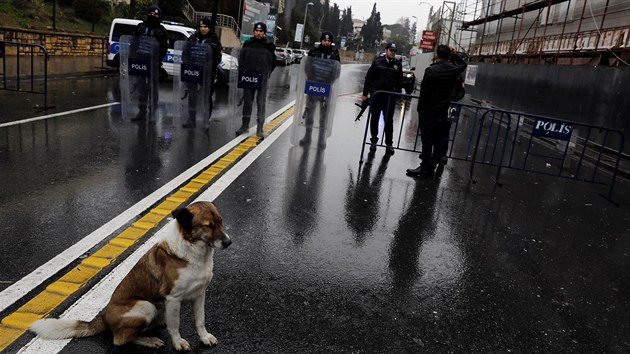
x: 154, y: 9
x: 326, y: 35
x: 391, y: 46
x: 260, y: 26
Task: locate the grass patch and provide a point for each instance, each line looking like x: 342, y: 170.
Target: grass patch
x: 39, y: 16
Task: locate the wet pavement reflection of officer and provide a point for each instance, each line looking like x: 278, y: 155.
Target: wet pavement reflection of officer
x: 151, y: 27
x: 303, y: 193
x: 257, y: 41
x: 385, y: 74
x: 362, y: 199
x: 204, y: 35
x: 324, y: 50
x: 415, y: 223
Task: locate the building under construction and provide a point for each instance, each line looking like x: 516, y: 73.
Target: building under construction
x: 568, y: 59
x: 564, y: 32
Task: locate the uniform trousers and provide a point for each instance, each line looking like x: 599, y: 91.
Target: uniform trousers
x: 386, y: 104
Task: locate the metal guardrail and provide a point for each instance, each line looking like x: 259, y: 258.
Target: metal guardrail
x: 519, y: 141
x: 18, y: 77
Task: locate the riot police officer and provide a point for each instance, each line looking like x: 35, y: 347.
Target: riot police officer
x: 384, y: 74
x: 151, y: 27
x: 265, y: 58
x: 322, y: 73
x: 204, y: 35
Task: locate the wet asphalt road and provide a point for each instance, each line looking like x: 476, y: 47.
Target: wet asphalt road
x: 328, y: 257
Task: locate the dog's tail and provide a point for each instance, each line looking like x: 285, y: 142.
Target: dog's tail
x: 62, y: 328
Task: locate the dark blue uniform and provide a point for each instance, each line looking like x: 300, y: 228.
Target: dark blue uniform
x: 385, y: 74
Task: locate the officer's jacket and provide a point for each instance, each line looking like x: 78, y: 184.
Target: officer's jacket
x: 437, y: 86
x: 323, y: 70
x: 319, y: 53
x: 214, y: 43
x: 383, y: 74
x: 263, y: 44
x: 159, y: 33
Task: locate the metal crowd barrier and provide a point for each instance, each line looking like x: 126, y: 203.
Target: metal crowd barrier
x: 24, y: 68
x: 516, y: 140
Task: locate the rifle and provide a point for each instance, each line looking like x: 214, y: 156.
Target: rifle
x: 364, y: 105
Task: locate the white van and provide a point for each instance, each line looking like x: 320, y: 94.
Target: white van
x: 123, y: 26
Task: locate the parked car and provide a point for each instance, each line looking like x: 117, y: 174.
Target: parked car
x: 290, y: 55
x: 283, y: 57
x: 175, y: 32
x: 297, y: 55
x: 227, y: 64
x: 123, y: 26
x: 409, y: 80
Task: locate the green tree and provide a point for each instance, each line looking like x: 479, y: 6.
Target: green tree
x: 346, y: 27
x: 334, y: 22
x: 372, y: 31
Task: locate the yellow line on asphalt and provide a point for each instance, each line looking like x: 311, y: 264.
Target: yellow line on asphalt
x: 16, y: 324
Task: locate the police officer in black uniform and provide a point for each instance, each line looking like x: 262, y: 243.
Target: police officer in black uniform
x: 151, y: 27
x: 324, y: 50
x: 436, y: 93
x: 204, y: 35
x: 384, y: 74
x: 259, y: 40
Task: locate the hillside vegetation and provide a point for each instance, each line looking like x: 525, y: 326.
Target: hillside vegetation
x: 74, y: 16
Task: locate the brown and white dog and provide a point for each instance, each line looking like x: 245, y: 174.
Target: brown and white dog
x: 177, y: 269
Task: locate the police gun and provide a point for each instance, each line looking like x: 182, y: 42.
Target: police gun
x: 364, y: 105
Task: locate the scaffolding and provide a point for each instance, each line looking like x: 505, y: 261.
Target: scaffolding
x: 568, y: 32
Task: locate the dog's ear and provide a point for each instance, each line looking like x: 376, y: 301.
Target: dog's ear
x: 184, y: 218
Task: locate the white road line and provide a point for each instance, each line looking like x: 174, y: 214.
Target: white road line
x: 20, y: 288
x: 92, y: 302
x: 35, y: 119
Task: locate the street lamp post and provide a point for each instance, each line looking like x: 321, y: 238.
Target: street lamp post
x: 304, y: 23
x: 275, y: 38
x: 413, y: 39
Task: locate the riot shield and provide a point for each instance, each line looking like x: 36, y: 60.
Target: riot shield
x: 315, y: 100
x: 139, y: 74
x: 192, y: 86
x: 248, y: 86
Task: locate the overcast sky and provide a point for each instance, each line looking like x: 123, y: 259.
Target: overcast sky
x: 391, y: 10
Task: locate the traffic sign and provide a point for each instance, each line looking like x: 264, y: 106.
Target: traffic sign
x: 430, y: 35
x: 426, y: 44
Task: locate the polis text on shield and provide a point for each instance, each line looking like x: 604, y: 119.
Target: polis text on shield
x: 250, y: 80
x: 314, y: 88
x: 139, y: 67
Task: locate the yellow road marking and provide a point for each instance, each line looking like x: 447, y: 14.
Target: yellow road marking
x: 16, y: 324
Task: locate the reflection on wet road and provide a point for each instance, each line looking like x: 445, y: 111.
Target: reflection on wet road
x: 330, y: 256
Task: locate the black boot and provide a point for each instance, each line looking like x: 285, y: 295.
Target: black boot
x: 307, y: 137
x: 192, y: 121
x: 244, y: 127
x: 142, y: 114
x: 322, y: 139
x: 259, y: 129
x: 421, y: 171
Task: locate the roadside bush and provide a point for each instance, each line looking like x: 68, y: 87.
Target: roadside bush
x: 64, y: 3
x: 119, y: 10
x: 90, y: 10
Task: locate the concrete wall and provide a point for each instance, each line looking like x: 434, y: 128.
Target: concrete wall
x: 58, y: 43
x: 586, y: 94
x: 68, y: 53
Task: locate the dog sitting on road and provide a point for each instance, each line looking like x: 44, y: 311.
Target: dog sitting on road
x: 179, y: 268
